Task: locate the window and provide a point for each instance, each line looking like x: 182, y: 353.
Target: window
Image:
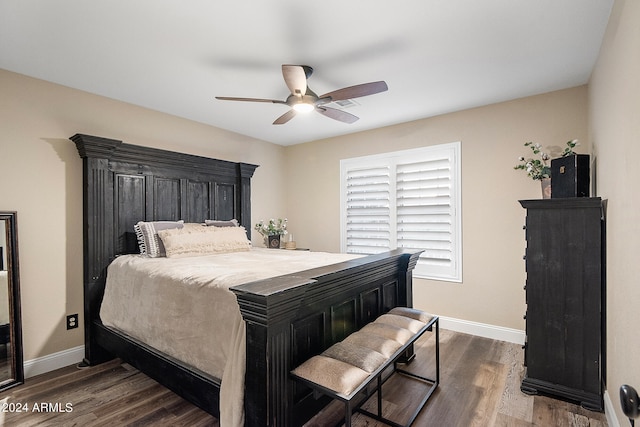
x: 405, y: 199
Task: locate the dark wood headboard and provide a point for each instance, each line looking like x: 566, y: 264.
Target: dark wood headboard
x: 125, y: 183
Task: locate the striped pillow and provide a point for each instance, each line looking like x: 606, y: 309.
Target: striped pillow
x: 147, y: 234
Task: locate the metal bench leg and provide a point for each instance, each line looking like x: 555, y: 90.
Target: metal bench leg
x: 437, y: 325
x: 347, y: 414
x: 380, y: 395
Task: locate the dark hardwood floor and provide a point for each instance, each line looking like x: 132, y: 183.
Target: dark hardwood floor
x: 480, y: 386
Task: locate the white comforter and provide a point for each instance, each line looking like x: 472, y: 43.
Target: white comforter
x: 184, y: 308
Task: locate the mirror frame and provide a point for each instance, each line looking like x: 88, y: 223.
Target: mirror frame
x: 15, y: 329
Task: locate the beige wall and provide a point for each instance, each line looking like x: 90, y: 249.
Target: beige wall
x: 41, y: 176
x: 614, y: 118
x: 492, y: 139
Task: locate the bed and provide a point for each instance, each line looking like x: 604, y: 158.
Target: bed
x: 287, y: 317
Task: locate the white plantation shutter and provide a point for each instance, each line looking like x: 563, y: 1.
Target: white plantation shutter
x: 405, y: 199
x: 368, y: 210
x: 425, y: 213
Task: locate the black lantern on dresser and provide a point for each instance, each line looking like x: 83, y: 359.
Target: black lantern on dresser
x: 570, y: 176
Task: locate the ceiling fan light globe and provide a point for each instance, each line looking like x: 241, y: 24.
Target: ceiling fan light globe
x: 303, y: 107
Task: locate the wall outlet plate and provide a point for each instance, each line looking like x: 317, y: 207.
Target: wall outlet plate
x: 72, y: 321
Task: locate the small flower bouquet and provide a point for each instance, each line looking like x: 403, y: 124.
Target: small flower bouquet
x: 536, y: 169
x: 273, y: 227
x: 272, y: 231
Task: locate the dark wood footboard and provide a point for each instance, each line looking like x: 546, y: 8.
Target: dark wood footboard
x: 291, y: 318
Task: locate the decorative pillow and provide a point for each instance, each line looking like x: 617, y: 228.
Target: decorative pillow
x: 147, y: 234
x: 204, y: 241
x: 216, y: 223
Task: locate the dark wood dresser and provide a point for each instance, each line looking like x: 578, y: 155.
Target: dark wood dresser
x: 565, y: 296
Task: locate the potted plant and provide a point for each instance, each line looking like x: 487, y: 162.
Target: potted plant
x: 537, y: 168
x: 272, y: 231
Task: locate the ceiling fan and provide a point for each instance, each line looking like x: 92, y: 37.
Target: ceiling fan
x: 303, y: 99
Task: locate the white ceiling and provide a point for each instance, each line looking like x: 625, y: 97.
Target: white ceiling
x: 437, y: 56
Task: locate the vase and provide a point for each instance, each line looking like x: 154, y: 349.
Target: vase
x: 274, y: 242
x: 545, y: 183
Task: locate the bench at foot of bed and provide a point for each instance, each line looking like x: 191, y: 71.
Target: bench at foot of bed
x: 346, y: 369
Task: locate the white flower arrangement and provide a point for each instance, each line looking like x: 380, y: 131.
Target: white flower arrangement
x: 273, y: 227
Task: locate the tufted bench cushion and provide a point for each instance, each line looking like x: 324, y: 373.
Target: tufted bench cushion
x: 389, y: 332
x: 401, y: 322
x: 382, y: 345
x: 331, y: 373
x: 361, y: 357
x: 347, y: 367
x: 412, y: 313
x: 342, y: 367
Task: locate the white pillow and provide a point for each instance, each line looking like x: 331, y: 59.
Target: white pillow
x: 206, y: 241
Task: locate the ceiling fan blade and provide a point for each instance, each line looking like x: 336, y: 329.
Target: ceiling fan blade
x: 231, y: 98
x: 295, y: 78
x: 334, y: 113
x: 356, y: 91
x: 285, y: 117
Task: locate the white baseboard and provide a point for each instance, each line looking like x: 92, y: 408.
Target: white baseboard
x: 610, y: 412
x: 51, y: 362
x: 483, y: 330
